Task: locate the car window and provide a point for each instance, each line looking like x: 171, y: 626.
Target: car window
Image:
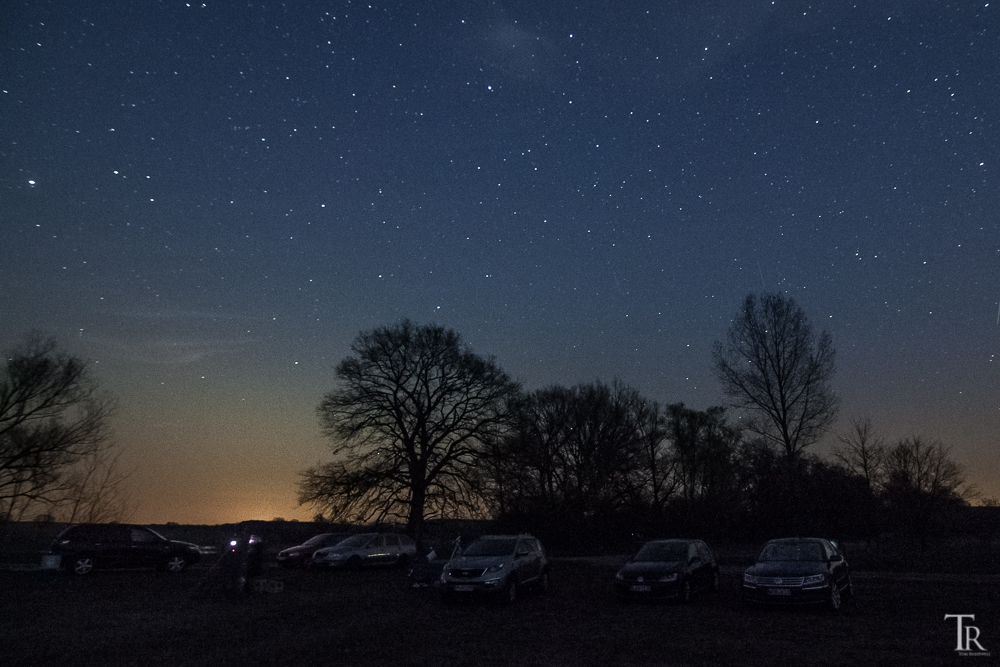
x: 665, y: 552
x: 405, y: 541
x: 113, y: 533
x: 692, y: 551
x: 391, y: 541
x: 140, y: 536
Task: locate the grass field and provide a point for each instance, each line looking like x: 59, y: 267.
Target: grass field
x: 373, y: 617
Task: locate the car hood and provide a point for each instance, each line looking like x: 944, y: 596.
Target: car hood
x: 300, y: 549
x: 326, y: 551
x: 475, y: 562
x: 650, y: 569
x: 787, y: 568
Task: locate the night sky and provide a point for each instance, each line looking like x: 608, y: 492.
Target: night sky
x: 210, y: 201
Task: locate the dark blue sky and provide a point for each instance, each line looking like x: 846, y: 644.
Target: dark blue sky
x: 212, y: 200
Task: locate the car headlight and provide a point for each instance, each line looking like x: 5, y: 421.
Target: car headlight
x: 749, y: 578
x: 619, y: 576
x: 494, y: 568
x: 814, y: 579
x: 669, y: 577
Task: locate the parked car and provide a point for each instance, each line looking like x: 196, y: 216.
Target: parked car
x: 499, y: 565
x: 798, y: 570
x: 301, y: 555
x: 367, y: 549
x: 87, y: 546
x: 669, y: 569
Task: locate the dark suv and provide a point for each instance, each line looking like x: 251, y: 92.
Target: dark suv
x: 496, y: 564
x: 94, y: 545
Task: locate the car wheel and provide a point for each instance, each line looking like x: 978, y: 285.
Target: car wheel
x: 82, y: 565
x: 175, y: 564
x: 543, y: 582
x: 714, y: 586
x: 353, y: 563
x: 834, y: 600
x: 403, y: 560
x: 684, y: 595
x: 510, y: 592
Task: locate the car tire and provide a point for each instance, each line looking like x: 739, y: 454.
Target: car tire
x: 684, y: 595
x: 403, y: 560
x: 714, y: 586
x: 835, y: 600
x: 353, y: 563
x: 81, y: 565
x: 175, y: 564
x: 543, y: 582
x: 509, y: 593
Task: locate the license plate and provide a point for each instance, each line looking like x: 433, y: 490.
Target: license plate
x: 463, y: 588
x: 779, y: 591
x: 640, y: 589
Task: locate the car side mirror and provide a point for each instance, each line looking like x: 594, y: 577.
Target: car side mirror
x: 836, y: 558
x: 521, y: 554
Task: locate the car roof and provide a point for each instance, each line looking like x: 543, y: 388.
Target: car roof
x: 674, y: 540
x: 791, y: 540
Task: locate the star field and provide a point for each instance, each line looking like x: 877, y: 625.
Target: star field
x: 212, y: 200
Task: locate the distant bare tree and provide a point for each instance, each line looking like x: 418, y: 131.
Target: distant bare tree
x: 590, y: 450
x: 96, y: 491
x: 778, y: 371
x: 408, y: 426
x: 921, y: 481
x: 863, y: 453
x: 704, y: 449
x: 52, y: 419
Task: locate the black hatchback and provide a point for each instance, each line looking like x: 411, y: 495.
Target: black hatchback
x: 669, y: 569
x: 87, y: 546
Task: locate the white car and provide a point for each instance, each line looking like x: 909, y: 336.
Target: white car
x: 367, y: 549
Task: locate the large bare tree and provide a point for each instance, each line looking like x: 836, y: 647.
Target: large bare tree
x: 53, y: 420
x: 778, y: 371
x: 408, y: 425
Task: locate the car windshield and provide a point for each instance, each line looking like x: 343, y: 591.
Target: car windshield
x: 491, y: 548
x: 355, y: 541
x: 317, y: 540
x: 668, y: 552
x: 802, y: 551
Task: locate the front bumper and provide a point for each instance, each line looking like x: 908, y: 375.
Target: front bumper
x: 483, y: 586
x: 648, y: 589
x: 773, y: 594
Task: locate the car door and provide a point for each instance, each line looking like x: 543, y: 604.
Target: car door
x: 391, y: 549
x: 695, y: 567
x: 112, y: 545
x: 708, y: 564
x: 374, y: 553
x: 147, y: 549
x: 528, y: 559
x: 838, y: 566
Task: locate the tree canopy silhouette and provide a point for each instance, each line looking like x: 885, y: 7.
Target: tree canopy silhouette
x: 407, y: 425
x: 53, y: 428
x: 776, y: 369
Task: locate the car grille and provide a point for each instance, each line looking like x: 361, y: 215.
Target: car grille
x: 459, y: 573
x: 780, y: 581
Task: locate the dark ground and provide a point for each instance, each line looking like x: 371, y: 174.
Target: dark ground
x: 373, y: 617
